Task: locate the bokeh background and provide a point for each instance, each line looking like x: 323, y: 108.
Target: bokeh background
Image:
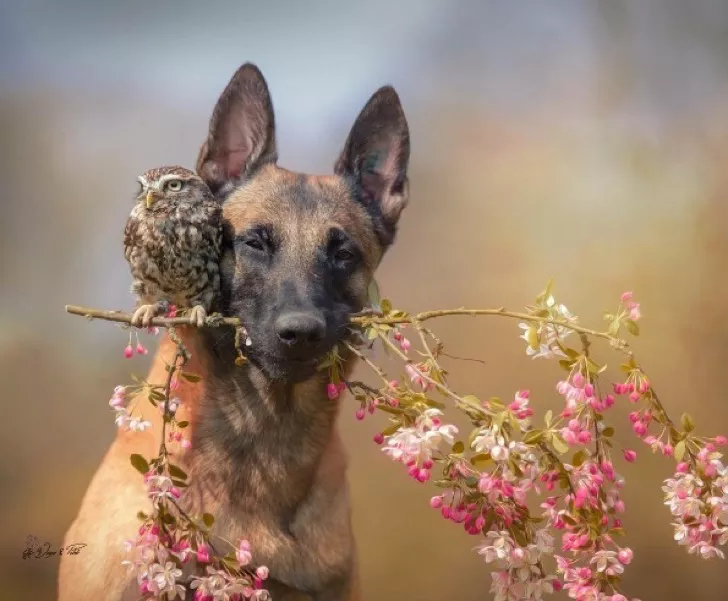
x: 582, y: 140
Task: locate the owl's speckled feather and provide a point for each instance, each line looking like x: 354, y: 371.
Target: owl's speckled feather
x: 172, y: 244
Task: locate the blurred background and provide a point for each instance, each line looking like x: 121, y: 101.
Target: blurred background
x: 582, y: 140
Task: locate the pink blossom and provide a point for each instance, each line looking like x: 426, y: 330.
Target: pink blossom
x: 243, y: 554
x: 625, y: 556
x: 630, y: 455
x: 141, y: 349
x: 128, y: 352
x: 262, y: 572
x: 203, y: 553
x: 332, y: 390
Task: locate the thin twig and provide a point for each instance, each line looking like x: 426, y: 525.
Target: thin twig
x: 361, y: 319
x: 161, y: 322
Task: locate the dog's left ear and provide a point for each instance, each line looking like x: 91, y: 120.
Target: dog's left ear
x: 375, y: 159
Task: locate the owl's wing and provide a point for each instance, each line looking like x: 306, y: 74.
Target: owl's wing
x: 131, y: 235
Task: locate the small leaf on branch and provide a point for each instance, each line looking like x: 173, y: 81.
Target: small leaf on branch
x: 633, y: 327
x: 608, y: 432
x: 458, y: 447
x: 444, y: 483
x: 177, y: 472
x: 533, y: 436
x: 579, y: 458
x: 139, y: 463
x: 687, y: 422
x: 183, y: 424
x: 208, y: 519
x: 532, y: 337
x: 679, y: 451
x: 390, y: 409
x: 480, y: 459
x: 190, y: 377
x: 559, y: 444
x: 180, y: 483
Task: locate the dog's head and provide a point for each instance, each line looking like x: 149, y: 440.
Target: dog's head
x: 299, y: 250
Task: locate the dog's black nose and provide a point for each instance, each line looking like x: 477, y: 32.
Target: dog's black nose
x: 300, y: 330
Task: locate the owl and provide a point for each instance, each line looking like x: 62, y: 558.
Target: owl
x: 172, y: 244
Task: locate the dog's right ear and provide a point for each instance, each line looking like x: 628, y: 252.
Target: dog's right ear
x: 242, y: 132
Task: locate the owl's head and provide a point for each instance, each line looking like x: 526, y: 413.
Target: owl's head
x: 164, y: 187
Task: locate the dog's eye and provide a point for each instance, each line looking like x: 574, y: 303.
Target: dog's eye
x: 255, y: 243
x: 344, y: 255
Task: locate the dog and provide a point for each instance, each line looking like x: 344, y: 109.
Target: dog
x: 298, y: 256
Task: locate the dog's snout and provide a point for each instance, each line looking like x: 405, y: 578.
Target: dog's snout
x: 300, y: 330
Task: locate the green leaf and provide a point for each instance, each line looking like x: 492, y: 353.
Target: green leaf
x: 548, y: 418
x: 180, y: 483
x: 190, y: 377
x: 386, y: 305
x: 155, y: 395
x: 374, y: 297
x: 183, y: 424
x: 559, y: 444
x: 389, y: 430
x: 679, y: 451
x: 579, y: 458
x: 208, y: 519
x: 390, y: 409
x: 142, y: 516
x: 687, y: 422
x: 176, y: 472
x: 632, y: 327
x: 532, y: 337
x: 139, y: 463
x: 480, y: 459
x: 444, y: 483
x: 613, y: 329
x: 608, y: 432
x: 570, y: 352
x: 168, y: 518
x: 533, y: 436
x: 566, y: 364
x: 458, y: 447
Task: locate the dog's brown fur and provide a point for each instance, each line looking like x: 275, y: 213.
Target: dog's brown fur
x: 266, y: 458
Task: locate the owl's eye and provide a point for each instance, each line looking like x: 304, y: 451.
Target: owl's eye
x: 174, y: 185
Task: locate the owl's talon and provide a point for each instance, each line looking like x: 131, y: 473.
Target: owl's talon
x: 144, y: 314
x: 198, y: 315
x: 215, y: 319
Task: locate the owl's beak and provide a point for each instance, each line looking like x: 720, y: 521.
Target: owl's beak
x: 150, y: 199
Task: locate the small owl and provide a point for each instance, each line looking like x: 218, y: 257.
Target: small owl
x: 172, y: 243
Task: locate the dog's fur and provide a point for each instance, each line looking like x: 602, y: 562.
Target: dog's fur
x: 266, y: 458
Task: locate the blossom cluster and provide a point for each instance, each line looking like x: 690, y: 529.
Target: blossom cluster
x: 124, y: 419
x: 568, y: 462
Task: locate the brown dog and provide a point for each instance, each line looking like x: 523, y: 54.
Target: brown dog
x: 266, y: 458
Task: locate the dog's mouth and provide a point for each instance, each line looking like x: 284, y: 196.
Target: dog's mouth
x: 290, y: 369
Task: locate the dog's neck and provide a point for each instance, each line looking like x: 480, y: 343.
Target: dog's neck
x: 253, y: 434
